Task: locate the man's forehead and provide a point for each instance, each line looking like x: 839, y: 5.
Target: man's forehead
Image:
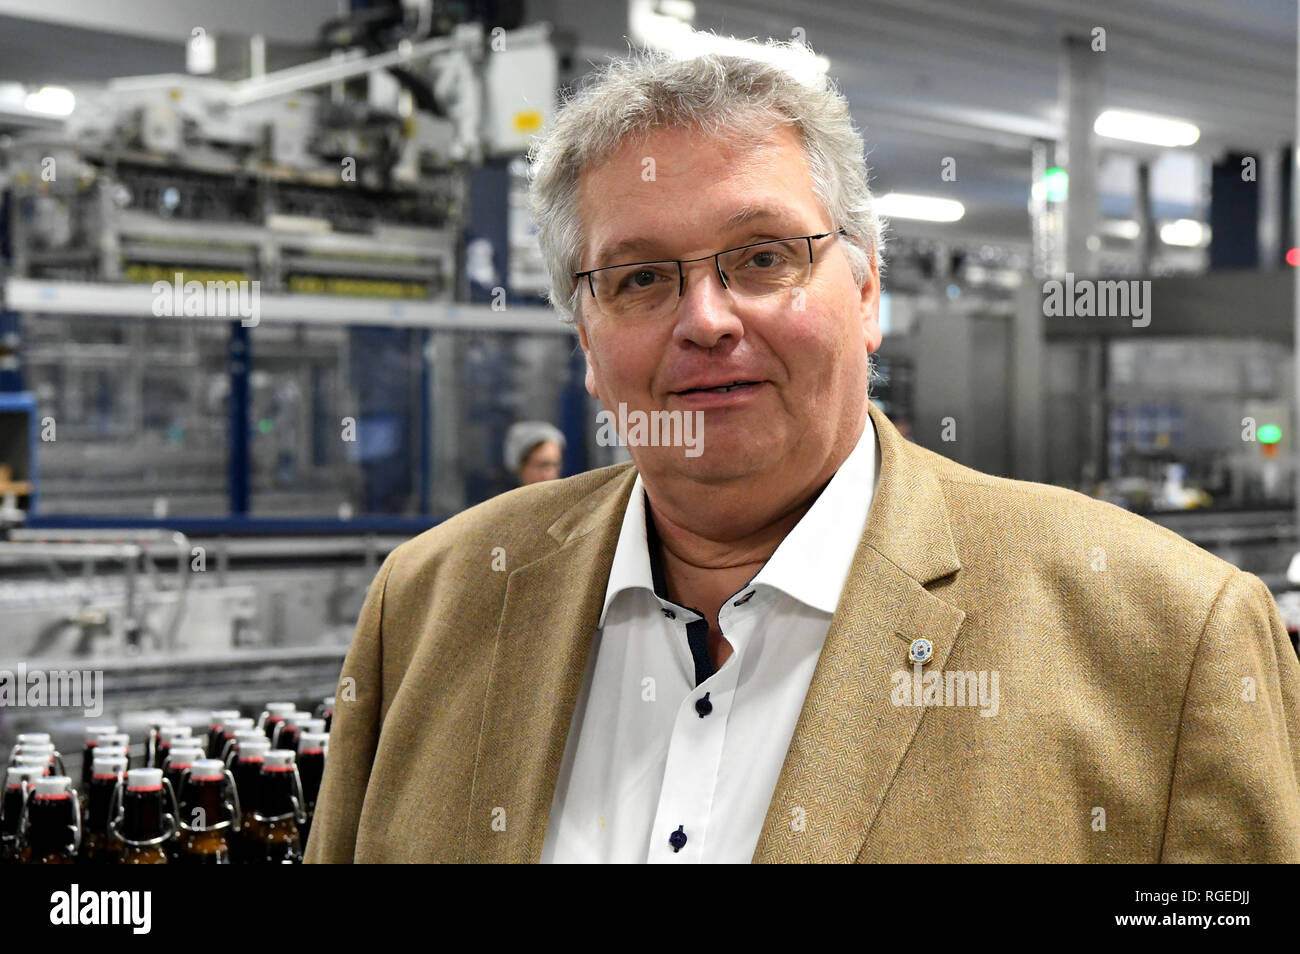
x: 779, y: 216
x: 768, y: 155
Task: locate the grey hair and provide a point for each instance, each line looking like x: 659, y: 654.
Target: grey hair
x: 714, y: 93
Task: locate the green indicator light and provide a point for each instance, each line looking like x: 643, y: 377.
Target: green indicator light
x: 265, y: 425
x: 1057, y: 181
x: 1269, y: 434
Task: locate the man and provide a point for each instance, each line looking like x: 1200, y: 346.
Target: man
x: 808, y: 639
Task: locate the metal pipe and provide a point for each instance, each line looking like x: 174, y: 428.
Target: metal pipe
x: 345, y: 66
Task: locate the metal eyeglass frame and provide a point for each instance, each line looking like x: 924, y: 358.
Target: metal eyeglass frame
x: 717, y: 263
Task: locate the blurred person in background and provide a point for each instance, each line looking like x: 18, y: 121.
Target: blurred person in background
x: 534, y: 451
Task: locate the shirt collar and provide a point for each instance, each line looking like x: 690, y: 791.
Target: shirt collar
x: 631, y: 566
x: 810, y: 564
x: 813, y: 561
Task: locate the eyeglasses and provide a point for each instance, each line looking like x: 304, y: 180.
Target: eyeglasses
x: 643, y: 291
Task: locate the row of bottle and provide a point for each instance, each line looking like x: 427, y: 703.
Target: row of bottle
x: 252, y: 805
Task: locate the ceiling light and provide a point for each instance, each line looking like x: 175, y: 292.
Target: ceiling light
x: 1145, y: 128
x: 667, y: 27
x: 925, y: 208
x: 1186, y: 232
x: 1121, y: 228
x: 51, y: 101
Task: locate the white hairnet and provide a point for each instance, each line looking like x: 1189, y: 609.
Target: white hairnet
x: 524, y: 436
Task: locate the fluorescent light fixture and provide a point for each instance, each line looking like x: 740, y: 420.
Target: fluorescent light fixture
x: 1145, y: 128
x: 51, y: 101
x: 925, y: 208
x: 1121, y: 229
x: 1185, y: 232
x: 12, y: 94
x: 667, y: 26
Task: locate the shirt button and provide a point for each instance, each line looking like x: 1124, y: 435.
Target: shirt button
x: 745, y: 599
x: 703, y: 706
x: 670, y: 614
x: 678, y: 838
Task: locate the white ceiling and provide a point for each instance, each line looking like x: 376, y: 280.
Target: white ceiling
x: 978, y: 81
x: 927, y: 79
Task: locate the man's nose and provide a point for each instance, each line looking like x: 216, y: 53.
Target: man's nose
x: 706, y: 311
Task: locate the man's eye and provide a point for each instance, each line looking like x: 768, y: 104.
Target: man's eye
x: 641, y: 278
x: 764, y: 258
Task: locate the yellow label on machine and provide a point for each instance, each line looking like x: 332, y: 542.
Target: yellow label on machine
x: 158, y: 273
x: 528, y: 120
x: 361, y: 287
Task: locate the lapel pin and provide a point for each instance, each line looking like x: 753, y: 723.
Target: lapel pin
x: 920, y: 651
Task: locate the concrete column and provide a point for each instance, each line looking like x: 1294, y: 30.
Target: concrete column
x: 1080, y: 98
x: 1269, y: 228
x: 1146, y: 240
x: 1289, y: 443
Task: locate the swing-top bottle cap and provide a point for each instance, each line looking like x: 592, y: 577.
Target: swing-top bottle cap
x: 53, y: 786
x: 17, y: 775
x: 207, y: 770
x: 253, y: 751
x: 144, y: 780
x: 108, y: 765
x: 278, y: 760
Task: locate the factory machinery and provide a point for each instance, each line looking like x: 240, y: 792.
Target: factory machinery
x: 206, y: 496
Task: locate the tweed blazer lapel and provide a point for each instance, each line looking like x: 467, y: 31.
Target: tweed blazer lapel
x: 850, y: 738
x: 545, y: 636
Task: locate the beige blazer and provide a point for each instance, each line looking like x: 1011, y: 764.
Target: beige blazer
x: 1148, y: 710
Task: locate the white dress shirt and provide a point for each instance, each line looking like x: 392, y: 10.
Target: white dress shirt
x: 641, y: 763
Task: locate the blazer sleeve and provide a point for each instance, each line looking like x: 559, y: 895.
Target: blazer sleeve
x: 354, y: 735
x: 1235, y: 795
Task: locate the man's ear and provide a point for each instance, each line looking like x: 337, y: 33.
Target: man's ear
x: 870, y: 305
x: 586, y: 352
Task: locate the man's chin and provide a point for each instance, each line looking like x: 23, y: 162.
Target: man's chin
x: 715, y: 464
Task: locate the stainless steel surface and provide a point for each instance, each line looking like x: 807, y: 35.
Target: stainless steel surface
x: 348, y: 64
x: 94, y: 299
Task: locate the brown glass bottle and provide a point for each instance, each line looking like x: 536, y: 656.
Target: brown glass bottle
x: 326, y: 711
x: 243, y: 736
x: 272, y: 833
x: 143, y: 824
x: 96, y: 846
x: 53, y: 831
x: 209, y: 811
x: 116, y: 740
x: 216, y: 739
x: 246, y: 769
x: 29, y: 751
x: 273, y: 716
x: 167, y: 736
x: 19, y: 782
x: 179, y: 758
x: 290, y: 731
x: 311, y: 769
x: 93, y: 735
x: 225, y: 743
x: 39, y: 762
